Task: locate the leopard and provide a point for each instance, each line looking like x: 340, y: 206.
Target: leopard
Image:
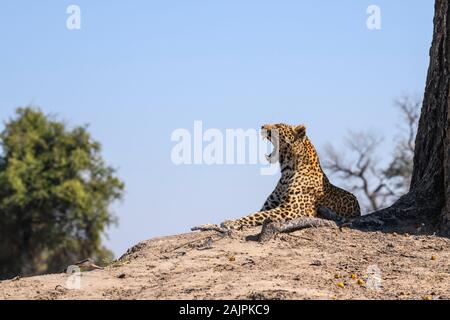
x: 303, y: 186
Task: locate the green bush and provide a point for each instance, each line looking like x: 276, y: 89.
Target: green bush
x: 55, y: 194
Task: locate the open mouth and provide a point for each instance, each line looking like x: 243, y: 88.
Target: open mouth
x: 272, y: 137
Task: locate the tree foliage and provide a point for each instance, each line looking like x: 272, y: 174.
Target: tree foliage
x: 55, y: 194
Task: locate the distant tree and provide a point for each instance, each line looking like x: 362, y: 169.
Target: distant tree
x: 365, y: 172
x: 400, y: 169
x: 55, y: 193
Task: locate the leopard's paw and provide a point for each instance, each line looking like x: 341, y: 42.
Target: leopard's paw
x: 229, y: 225
x: 208, y: 227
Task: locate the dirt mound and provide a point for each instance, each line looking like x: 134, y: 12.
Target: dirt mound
x: 322, y: 263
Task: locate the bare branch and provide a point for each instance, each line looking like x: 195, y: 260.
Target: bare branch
x: 363, y: 173
x: 362, y: 145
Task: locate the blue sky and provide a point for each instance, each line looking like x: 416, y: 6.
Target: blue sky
x: 137, y: 70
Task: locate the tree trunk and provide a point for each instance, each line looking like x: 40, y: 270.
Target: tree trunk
x: 426, y: 208
x: 432, y: 159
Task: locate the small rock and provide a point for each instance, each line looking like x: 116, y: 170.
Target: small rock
x: 248, y: 262
x: 121, y: 276
x: 316, y: 263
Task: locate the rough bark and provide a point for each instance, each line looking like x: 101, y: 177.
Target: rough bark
x: 426, y: 208
x: 431, y: 158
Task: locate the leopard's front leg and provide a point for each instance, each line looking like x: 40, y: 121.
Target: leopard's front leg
x: 275, y: 215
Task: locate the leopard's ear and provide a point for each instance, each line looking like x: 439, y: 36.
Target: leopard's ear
x: 300, y: 131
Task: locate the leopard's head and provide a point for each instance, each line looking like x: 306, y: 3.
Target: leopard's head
x: 288, y: 142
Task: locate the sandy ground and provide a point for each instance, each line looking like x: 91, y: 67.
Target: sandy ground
x: 323, y: 263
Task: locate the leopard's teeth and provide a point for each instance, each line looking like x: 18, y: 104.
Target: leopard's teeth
x: 269, y: 157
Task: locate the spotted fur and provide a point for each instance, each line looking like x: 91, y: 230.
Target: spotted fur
x: 303, y: 185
